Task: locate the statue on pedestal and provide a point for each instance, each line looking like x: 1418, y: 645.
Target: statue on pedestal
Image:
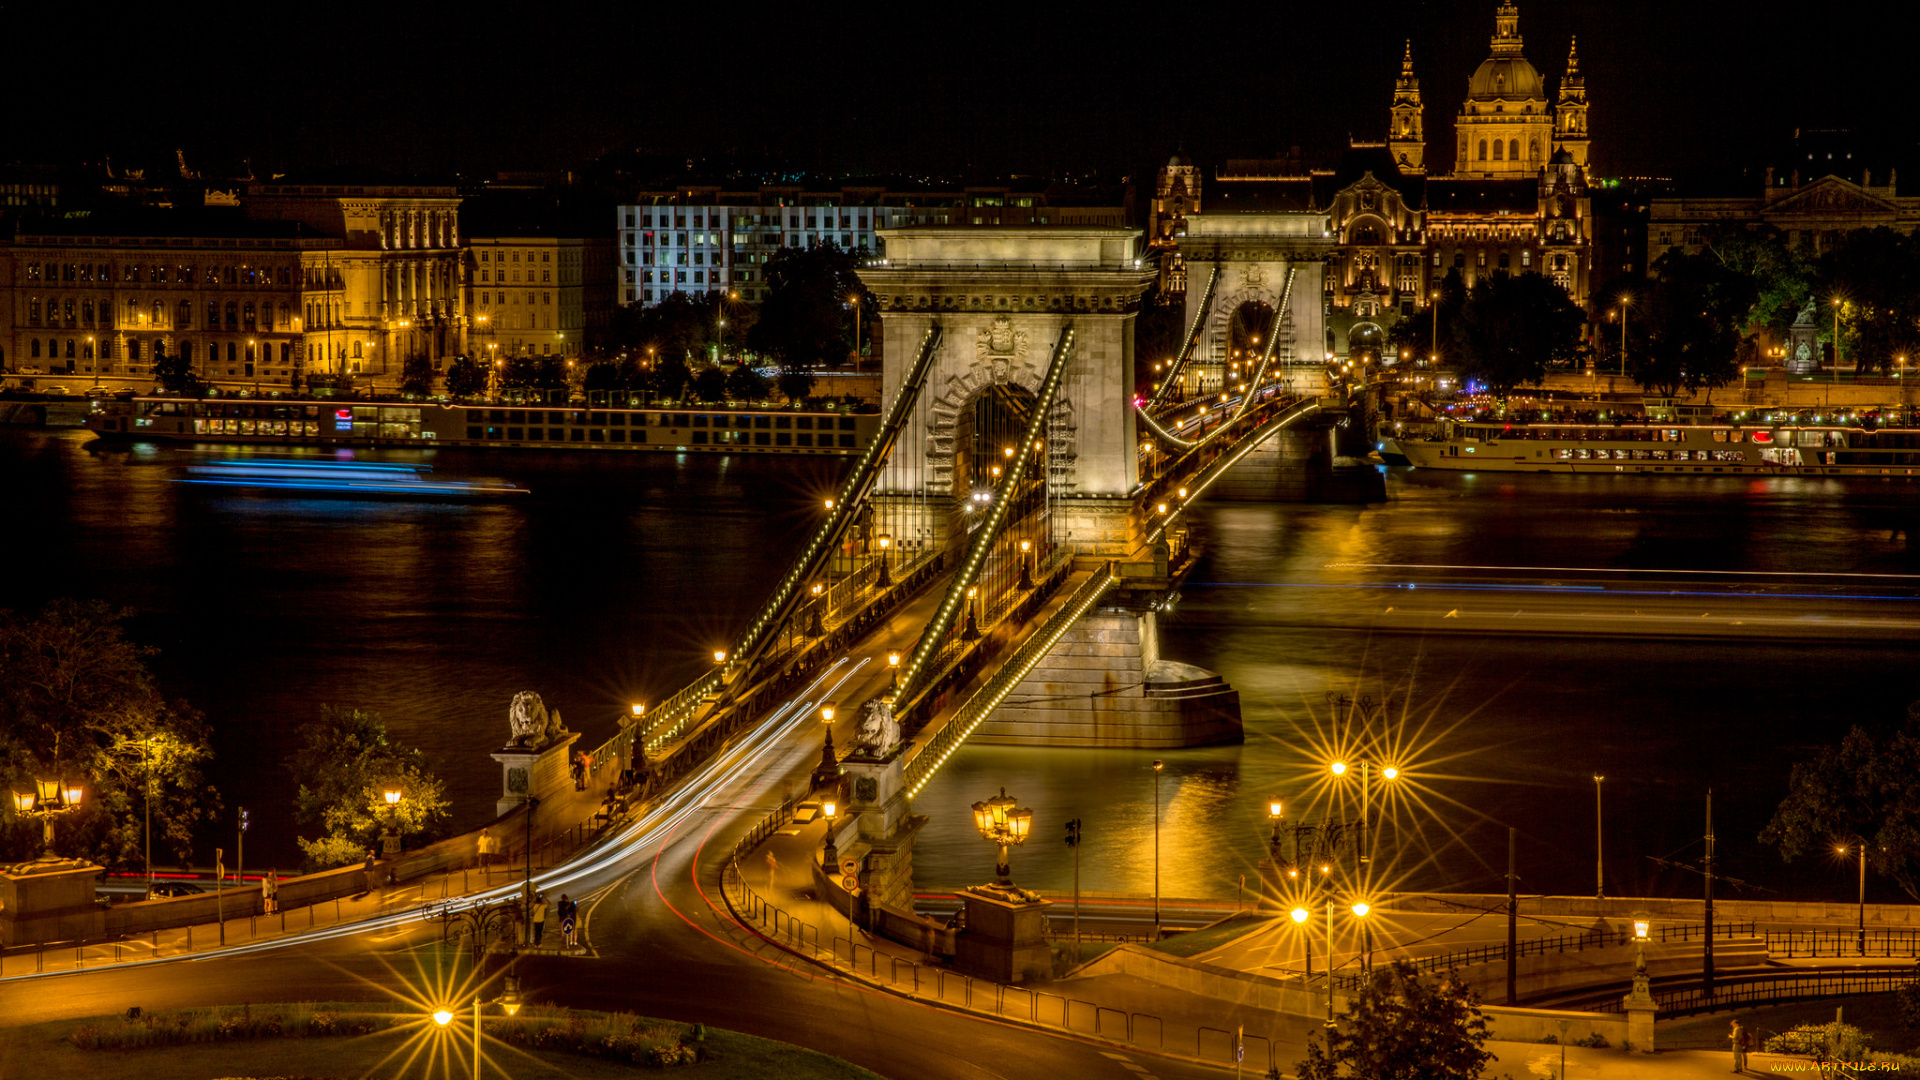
x: 879, y: 731
x: 531, y: 724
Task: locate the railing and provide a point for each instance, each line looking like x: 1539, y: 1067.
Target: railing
x: 1604, y: 939
x: 1186, y: 350
x: 1785, y: 944
x: 1745, y: 991
x: 932, y: 983
x: 913, y: 673
x: 978, y: 707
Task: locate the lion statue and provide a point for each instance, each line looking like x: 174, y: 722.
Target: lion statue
x: 532, y: 725
x: 879, y: 731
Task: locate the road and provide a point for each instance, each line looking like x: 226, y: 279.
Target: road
x: 661, y: 940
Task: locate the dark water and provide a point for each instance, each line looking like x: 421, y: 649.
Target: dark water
x: 617, y: 578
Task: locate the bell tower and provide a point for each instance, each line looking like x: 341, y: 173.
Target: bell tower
x: 1570, y: 117
x: 1405, y: 140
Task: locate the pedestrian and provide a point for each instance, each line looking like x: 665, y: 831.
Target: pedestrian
x: 569, y: 911
x: 579, y: 773
x: 370, y: 861
x: 1741, y: 1043
x: 773, y: 869
x: 269, y: 893
x: 486, y: 849
x: 539, y: 918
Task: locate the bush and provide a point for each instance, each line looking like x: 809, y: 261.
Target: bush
x: 1908, y: 998
x: 614, y: 1037
x: 1836, y: 1041
x: 1594, y: 1041
x: 215, y: 1025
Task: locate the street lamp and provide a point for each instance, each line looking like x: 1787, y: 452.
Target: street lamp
x: 1026, y: 572
x: 826, y: 713
x: 1599, y: 838
x: 390, y: 843
x: 1002, y: 823
x: 49, y: 799
x: 1625, y: 299
x: 1860, y: 938
x: 509, y: 1002
x: 893, y: 669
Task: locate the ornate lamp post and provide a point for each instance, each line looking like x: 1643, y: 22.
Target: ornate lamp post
x: 1001, y: 823
x: 48, y: 800
x: 893, y: 669
x: 390, y: 840
x: 885, y: 579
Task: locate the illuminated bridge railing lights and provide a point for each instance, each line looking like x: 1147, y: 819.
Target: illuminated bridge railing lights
x: 983, y: 537
x: 981, y: 705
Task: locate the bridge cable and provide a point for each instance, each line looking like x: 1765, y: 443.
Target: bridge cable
x: 787, y: 595
x: 1193, y: 338
x: 930, y: 639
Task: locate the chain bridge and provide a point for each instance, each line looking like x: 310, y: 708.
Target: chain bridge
x: 1009, y: 534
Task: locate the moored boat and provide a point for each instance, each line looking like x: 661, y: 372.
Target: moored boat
x: 1667, y: 447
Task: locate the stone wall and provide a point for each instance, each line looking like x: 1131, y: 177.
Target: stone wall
x: 1104, y: 684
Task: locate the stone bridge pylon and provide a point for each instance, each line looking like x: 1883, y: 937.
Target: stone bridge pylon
x: 1003, y: 297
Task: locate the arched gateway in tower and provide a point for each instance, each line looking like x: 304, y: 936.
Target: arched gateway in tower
x: 1003, y: 298
x: 1255, y: 260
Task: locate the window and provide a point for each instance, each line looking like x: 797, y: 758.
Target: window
x: 33, y: 315
x: 1483, y: 149
x: 183, y: 315
x: 1505, y: 260
x: 1497, y: 147
x: 1513, y: 150
x: 1526, y: 258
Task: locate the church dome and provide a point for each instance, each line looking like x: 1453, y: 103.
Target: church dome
x: 1508, y: 78
x: 1179, y: 160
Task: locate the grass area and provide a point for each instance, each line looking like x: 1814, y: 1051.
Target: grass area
x: 415, y: 1048
x: 1876, y: 1014
x: 1195, y: 942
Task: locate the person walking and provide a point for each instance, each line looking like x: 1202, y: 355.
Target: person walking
x: 773, y: 869
x: 269, y: 893
x: 1741, y: 1043
x: 539, y: 918
x: 569, y: 910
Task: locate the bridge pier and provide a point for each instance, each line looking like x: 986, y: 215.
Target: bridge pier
x: 1105, y: 684
x: 1299, y: 465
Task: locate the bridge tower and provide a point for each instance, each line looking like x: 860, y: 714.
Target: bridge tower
x: 1249, y: 254
x: 1003, y: 298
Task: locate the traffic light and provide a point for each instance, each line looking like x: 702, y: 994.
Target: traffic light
x: 1073, y: 833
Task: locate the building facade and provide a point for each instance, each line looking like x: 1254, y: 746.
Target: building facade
x: 1516, y: 200
x: 527, y: 296
x: 400, y: 266
x: 705, y: 239
x: 244, y: 302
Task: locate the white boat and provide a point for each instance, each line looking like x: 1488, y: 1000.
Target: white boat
x: 1666, y: 447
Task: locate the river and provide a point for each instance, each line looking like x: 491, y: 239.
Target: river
x: 621, y: 573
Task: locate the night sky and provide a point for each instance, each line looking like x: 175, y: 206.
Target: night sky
x: 1675, y: 85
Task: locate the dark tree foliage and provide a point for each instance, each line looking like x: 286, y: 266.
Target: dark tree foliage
x: 681, y: 326
x: 1512, y: 326
x: 175, y: 374
x: 535, y: 373
x: 78, y: 705
x: 466, y: 377
x: 1689, y: 325
x: 602, y: 376
x: 1875, y: 273
x: 669, y: 378
x: 746, y: 384
x: 1415, y: 333
x: 710, y: 385
x: 1859, y: 790
x: 806, y: 321
x: 344, y: 765
x: 416, y: 377
x: 1403, y: 1027
x: 795, y: 384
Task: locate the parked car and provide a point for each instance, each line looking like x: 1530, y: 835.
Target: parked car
x: 176, y: 888
x: 58, y: 390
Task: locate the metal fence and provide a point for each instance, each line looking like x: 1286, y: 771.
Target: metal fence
x: 1598, y: 939
x: 928, y: 981
x: 1786, y: 944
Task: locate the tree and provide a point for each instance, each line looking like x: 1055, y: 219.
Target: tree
x: 416, y: 377
x: 1859, y: 790
x: 1415, y: 333
x: 1875, y: 273
x: 466, y: 378
x: 669, y: 378
x: 1689, y: 325
x: 535, y: 372
x: 806, y: 320
x: 746, y: 384
x: 344, y: 766
x: 601, y: 376
x: 1403, y: 1027
x: 1511, y: 327
x: 795, y: 384
x: 710, y: 385
x: 176, y: 374
x: 78, y: 704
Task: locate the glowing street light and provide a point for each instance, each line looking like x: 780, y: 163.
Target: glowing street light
x: 1003, y: 822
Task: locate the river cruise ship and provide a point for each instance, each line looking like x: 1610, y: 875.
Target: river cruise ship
x: 293, y: 423
x: 1667, y: 448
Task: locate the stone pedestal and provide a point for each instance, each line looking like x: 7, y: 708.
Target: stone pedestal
x: 1803, y: 346
x: 1006, y: 936
x: 538, y: 773
x: 1640, y: 1009
x: 50, y: 900
x: 878, y: 832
